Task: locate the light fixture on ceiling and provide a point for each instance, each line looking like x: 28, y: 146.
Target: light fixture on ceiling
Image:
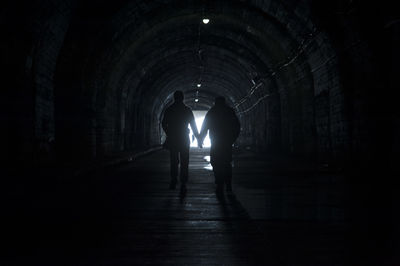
x: 196, y: 100
x: 206, y: 20
x: 198, y: 85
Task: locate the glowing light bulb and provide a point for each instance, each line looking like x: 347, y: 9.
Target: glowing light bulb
x: 198, y: 85
x: 196, y: 100
x: 206, y: 20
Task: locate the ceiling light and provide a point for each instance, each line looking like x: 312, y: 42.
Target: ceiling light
x: 206, y: 20
x: 196, y: 100
x: 198, y: 85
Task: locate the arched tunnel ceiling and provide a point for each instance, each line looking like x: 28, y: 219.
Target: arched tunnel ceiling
x: 298, y: 72
x: 148, y: 50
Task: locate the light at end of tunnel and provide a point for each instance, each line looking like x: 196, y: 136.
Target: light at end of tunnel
x: 206, y: 20
x: 196, y: 100
x: 199, y: 117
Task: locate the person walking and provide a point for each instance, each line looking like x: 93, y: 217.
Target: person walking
x: 175, y: 125
x: 224, y: 128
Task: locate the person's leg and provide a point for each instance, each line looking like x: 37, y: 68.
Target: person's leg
x: 174, y: 160
x: 226, y: 166
x: 184, y: 156
x: 219, y: 178
x: 228, y: 176
x: 217, y: 165
x: 218, y: 174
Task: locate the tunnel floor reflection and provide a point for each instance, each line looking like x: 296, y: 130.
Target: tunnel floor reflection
x: 208, y: 165
x: 127, y: 216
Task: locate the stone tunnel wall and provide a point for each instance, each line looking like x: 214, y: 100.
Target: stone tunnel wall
x: 325, y: 112
x: 34, y: 34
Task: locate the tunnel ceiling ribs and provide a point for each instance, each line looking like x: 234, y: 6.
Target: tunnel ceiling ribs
x: 179, y: 30
x: 258, y: 55
x: 314, y: 83
x: 303, y: 75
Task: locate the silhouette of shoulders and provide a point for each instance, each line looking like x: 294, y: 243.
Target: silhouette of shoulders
x: 220, y: 114
x: 176, y: 119
x: 223, y: 124
x: 178, y: 109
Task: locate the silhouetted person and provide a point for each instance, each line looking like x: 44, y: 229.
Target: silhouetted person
x: 224, y: 128
x: 175, y: 124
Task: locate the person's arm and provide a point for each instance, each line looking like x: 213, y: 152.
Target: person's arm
x: 164, y: 122
x: 193, y: 125
x: 204, y: 129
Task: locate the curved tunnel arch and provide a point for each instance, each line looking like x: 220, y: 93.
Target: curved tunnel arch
x: 147, y: 60
x: 174, y: 35
x: 85, y: 84
x: 248, y: 56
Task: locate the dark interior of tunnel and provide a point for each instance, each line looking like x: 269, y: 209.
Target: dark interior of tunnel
x: 85, y: 85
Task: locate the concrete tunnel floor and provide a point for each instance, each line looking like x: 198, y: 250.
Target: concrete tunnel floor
x: 126, y: 215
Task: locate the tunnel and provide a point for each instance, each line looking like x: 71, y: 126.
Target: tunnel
x: 85, y: 85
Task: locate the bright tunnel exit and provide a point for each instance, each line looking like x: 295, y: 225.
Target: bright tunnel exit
x: 199, y: 118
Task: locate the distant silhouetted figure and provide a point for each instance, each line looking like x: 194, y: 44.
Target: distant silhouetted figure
x: 224, y: 128
x: 175, y: 124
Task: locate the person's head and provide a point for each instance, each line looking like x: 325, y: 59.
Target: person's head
x: 178, y: 96
x: 219, y: 100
